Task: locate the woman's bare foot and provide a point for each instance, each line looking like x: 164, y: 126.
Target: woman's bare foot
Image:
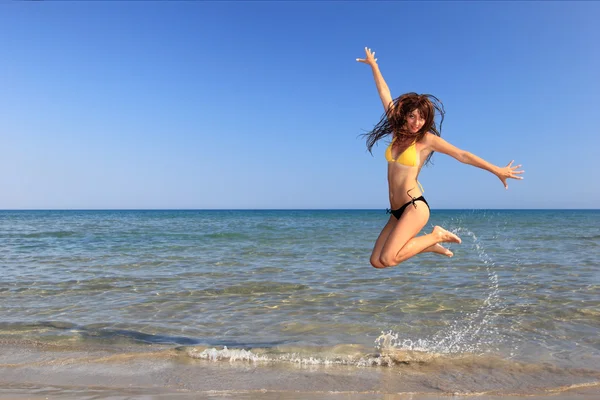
x: 439, y: 249
x: 445, y: 236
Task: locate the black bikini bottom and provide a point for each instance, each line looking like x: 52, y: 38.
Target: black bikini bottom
x: 398, y: 213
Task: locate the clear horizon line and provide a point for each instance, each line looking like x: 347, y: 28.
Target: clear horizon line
x: 289, y: 209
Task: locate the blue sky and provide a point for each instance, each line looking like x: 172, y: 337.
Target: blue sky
x: 260, y: 104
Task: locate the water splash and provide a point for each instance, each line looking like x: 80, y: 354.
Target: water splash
x: 474, y: 332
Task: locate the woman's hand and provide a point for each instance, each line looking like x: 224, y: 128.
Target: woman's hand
x: 382, y: 87
x: 509, y: 171
x: 370, y: 59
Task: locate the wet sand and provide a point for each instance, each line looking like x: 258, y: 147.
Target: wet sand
x: 34, y: 371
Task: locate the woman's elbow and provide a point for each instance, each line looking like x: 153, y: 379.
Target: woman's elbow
x: 464, y: 157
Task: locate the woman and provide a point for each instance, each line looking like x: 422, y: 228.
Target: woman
x: 410, y: 121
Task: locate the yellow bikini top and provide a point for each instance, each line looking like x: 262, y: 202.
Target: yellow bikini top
x: 408, y: 156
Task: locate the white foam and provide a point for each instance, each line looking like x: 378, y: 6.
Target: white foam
x: 227, y: 354
x: 233, y: 355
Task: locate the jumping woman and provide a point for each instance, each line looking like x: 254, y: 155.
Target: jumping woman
x: 409, y: 119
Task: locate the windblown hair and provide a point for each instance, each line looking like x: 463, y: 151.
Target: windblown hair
x: 393, y: 122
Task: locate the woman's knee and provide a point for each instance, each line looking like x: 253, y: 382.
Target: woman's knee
x: 376, y: 263
x: 387, y: 260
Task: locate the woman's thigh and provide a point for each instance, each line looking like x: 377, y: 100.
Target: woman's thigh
x: 408, y: 226
x: 380, y: 242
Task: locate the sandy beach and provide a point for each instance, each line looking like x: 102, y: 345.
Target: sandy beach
x: 31, y: 371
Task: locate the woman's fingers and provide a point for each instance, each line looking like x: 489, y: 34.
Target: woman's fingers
x: 370, y: 58
x: 513, y: 170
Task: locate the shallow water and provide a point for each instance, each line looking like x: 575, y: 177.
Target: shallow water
x: 520, y: 300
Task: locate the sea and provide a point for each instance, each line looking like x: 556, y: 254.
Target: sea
x: 274, y: 304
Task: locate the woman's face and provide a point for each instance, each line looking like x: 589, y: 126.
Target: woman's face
x: 414, y: 121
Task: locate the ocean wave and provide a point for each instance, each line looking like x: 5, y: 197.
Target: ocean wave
x: 421, y: 370
x: 465, y: 373
x: 345, y: 355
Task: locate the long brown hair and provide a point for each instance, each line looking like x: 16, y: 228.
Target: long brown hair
x: 394, y: 120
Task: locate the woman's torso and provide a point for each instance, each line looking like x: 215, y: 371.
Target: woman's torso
x: 404, y: 178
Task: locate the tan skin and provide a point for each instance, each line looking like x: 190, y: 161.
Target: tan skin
x: 398, y: 241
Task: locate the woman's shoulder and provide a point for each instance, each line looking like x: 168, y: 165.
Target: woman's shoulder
x: 428, y: 138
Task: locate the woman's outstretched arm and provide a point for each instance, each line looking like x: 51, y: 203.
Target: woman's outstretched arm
x: 436, y: 143
x: 382, y: 87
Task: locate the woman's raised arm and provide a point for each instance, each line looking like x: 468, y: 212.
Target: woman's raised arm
x: 436, y: 143
x: 382, y: 87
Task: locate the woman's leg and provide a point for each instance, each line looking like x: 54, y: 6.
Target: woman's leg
x: 383, y: 236
x: 401, y: 243
x: 438, y: 249
x: 376, y: 254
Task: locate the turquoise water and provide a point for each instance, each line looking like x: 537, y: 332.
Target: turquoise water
x: 297, y: 287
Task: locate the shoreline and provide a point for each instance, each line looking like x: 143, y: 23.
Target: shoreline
x: 34, y: 371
